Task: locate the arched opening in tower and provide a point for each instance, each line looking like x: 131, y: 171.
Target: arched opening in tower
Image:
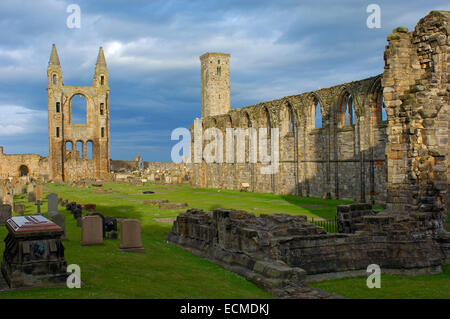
x: 78, y: 104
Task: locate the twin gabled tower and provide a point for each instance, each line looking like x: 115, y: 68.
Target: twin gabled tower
x: 66, y: 162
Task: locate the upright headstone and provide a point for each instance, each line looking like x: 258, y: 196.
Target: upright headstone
x: 31, y: 197
x: 5, y: 213
x: 60, y: 220
x: 52, y: 205
x: 38, y: 191
x: 92, y: 231
x: 19, y: 209
x: 30, y: 188
x: 130, y: 236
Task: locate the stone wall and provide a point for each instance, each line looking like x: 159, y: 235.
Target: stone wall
x: 416, y: 93
x: 280, y: 251
x: 66, y: 161
x: 35, y: 165
x: 339, y: 160
x: 380, y: 140
x: 153, y: 172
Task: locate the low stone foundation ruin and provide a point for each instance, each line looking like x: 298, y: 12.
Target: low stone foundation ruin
x: 280, y: 252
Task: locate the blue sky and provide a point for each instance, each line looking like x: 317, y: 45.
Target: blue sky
x: 152, y: 49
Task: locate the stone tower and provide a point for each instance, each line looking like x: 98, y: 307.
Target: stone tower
x: 66, y: 162
x: 215, y: 83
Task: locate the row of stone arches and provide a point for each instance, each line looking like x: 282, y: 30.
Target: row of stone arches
x: 333, y: 132
x: 80, y: 149
x: 290, y: 113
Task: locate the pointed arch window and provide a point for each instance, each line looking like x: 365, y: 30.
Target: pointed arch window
x: 317, y: 115
x: 102, y: 80
x: 291, y: 121
x: 349, y: 111
x: 54, y: 78
x: 383, y: 110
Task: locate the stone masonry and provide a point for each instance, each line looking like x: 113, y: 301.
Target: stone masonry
x: 280, y: 252
x: 381, y: 140
x: 67, y: 162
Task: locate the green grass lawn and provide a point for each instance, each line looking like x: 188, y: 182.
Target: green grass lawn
x: 419, y: 287
x: 166, y: 271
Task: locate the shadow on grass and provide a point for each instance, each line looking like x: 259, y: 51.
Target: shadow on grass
x: 324, y: 208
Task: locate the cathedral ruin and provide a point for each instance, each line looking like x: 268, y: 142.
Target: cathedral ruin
x: 381, y: 140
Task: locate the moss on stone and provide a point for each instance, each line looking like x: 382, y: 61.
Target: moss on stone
x: 391, y: 37
x: 400, y: 30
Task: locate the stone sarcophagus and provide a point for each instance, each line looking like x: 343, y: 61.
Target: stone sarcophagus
x: 34, y: 254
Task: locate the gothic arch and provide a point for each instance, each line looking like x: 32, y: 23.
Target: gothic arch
x: 287, y: 119
x: 86, y: 112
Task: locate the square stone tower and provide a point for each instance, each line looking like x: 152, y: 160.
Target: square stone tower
x: 66, y: 162
x: 215, y: 83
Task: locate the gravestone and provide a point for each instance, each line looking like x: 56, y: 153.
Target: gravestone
x: 130, y: 236
x: 34, y: 254
x: 60, y: 220
x: 19, y: 209
x: 30, y: 188
x: 91, y: 231
x: 18, y: 189
x: 5, y: 213
x: 38, y: 191
x: 31, y: 197
x: 52, y: 205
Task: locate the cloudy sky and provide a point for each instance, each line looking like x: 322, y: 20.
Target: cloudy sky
x: 152, y: 49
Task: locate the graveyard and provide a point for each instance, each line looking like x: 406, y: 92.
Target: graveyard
x: 167, y: 271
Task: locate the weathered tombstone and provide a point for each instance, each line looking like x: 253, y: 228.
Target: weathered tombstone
x: 60, y: 220
x: 5, y: 213
x: 34, y: 254
x: 19, y: 209
x: 31, y: 197
x: 30, y: 188
x: 38, y: 191
x: 130, y: 236
x: 52, y: 205
x: 92, y: 231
